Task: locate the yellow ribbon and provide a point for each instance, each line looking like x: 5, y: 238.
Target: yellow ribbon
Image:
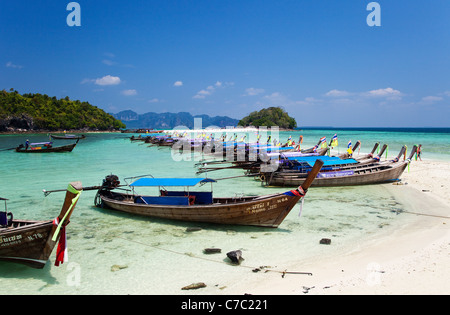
x: 74, y: 200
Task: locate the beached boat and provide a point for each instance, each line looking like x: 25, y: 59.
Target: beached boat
x: 186, y: 205
x: 158, y: 140
x: 31, y: 242
x: 344, y: 175
x: 45, y: 147
x: 140, y: 131
x: 68, y: 137
x: 252, y: 157
x: 371, y: 154
x: 251, y: 163
x: 331, y: 163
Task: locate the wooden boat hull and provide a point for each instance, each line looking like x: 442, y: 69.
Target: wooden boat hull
x: 68, y: 137
x: 32, y: 242
x: 27, y: 242
x: 66, y: 148
x: 376, y: 174
x: 264, y: 211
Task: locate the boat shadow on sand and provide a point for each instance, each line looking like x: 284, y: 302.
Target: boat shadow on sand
x: 10, y: 270
x: 191, y: 226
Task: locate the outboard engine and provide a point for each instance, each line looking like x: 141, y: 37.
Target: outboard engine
x: 110, y: 182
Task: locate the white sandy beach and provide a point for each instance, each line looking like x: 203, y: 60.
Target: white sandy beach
x: 412, y: 260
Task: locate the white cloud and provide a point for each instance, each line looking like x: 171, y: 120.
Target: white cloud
x: 211, y: 89
x: 108, y: 80
x: 154, y: 100
x: 202, y: 94
x: 388, y: 92
x: 308, y: 101
x: 84, y: 81
x: 276, y: 98
x: 253, y: 91
x: 178, y: 83
x: 109, y: 62
x: 9, y: 64
x: 129, y: 92
x: 337, y: 93
x: 431, y: 99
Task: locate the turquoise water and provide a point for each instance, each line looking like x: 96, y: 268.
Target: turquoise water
x: 161, y: 257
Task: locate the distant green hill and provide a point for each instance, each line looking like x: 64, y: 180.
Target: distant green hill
x: 42, y: 112
x: 272, y: 116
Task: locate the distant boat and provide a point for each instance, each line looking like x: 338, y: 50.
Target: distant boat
x: 360, y: 173
x: 68, y: 137
x: 45, y: 147
x: 187, y: 205
x: 31, y: 242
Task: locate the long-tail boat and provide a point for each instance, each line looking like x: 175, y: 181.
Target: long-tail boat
x: 252, y: 157
x: 186, y: 205
x: 68, y: 137
x: 345, y: 175
x: 45, y: 147
x: 331, y: 163
x: 32, y: 242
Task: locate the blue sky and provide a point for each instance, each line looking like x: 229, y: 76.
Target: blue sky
x: 318, y: 59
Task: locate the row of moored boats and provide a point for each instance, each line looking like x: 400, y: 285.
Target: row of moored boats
x: 274, y: 164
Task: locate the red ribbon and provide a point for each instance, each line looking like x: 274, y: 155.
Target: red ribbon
x: 62, y: 245
x: 299, y: 192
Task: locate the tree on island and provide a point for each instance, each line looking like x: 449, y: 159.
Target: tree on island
x: 42, y: 112
x: 272, y: 116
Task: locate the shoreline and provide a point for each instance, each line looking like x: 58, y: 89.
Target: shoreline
x: 413, y: 259
x: 43, y: 132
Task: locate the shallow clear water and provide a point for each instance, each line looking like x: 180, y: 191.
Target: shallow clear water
x: 161, y: 257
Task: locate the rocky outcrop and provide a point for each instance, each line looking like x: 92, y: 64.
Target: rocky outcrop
x: 16, y: 123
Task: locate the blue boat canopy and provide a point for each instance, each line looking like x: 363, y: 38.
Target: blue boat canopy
x: 335, y: 162
x: 327, y: 161
x: 153, y: 182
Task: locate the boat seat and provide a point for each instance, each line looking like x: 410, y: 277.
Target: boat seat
x: 201, y: 197
x: 164, y: 200
x: 5, y: 219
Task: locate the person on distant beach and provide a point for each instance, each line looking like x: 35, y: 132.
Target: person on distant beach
x: 300, y: 141
x: 419, y: 152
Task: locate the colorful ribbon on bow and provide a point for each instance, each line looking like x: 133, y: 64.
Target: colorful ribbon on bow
x: 61, y: 252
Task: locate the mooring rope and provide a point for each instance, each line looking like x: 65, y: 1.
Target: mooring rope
x: 254, y: 269
x: 418, y: 213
